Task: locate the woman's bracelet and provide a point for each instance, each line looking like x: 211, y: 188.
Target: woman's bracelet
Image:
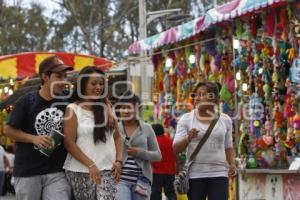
x: 119, y: 161
x: 92, y: 165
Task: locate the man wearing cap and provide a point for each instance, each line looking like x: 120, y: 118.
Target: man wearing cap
x: 32, y: 119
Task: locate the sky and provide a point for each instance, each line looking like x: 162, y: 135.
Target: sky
x: 26, y: 3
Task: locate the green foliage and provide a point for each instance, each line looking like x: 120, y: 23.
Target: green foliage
x: 22, y: 29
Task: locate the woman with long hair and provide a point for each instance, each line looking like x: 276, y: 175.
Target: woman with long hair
x: 93, y: 163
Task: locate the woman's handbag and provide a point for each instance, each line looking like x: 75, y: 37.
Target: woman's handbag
x: 143, y: 186
x: 181, y: 183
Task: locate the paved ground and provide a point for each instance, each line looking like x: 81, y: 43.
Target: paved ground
x: 9, y: 197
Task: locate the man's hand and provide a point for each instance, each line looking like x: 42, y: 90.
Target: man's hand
x: 42, y: 141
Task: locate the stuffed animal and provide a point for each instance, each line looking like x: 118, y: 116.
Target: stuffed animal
x: 296, y: 123
x: 267, y: 93
x: 266, y: 74
x: 251, y: 162
x: 277, y: 115
x: 288, y: 111
x: 268, y: 128
x: 180, y: 68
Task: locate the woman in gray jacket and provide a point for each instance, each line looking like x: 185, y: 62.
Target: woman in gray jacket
x: 140, y: 149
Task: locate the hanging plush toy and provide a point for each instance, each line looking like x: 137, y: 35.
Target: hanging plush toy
x: 289, y: 142
x: 156, y: 111
x: 296, y: 123
x: 225, y: 94
x: 268, y: 128
x: 180, y: 68
x: 255, y: 114
x: 225, y: 107
x: 288, y: 86
x: 202, y: 62
x: 291, y: 55
x: 256, y: 62
x: 238, y: 29
x: 229, y: 82
x: 207, y: 67
x: 179, y: 92
x: 267, y: 93
x: 167, y: 83
x: 243, y: 147
x: 269, y: 157
x: 251, y: 162
x: 288, y: 111
x: 277, y: 115
x: 266, y: 74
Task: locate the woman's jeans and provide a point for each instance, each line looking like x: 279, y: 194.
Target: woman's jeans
x: 126, y: 191
x: 214, y: 188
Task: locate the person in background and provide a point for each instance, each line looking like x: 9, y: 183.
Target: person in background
x: 215, y: 162
x: 164, y: 170
x: 8, y: 186
x: 4, y: 164
x: 140, y: 150
x: 33, y: 118
x: 93, y: 164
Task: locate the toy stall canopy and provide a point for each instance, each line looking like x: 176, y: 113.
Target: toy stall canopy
x: 223, y: 13
x: 26, y: 64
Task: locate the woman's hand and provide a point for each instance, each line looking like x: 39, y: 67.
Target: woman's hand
x: 116, y: 169
x: 95, y: 174
x: 133, y: 151
x: 193, y: 133
x: 232, y: 171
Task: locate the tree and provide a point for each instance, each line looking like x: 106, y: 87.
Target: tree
x: 88, y: 24
x: 107, y: 27
x: 22, y: 29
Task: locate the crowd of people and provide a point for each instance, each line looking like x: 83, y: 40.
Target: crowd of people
x: 107, y: 153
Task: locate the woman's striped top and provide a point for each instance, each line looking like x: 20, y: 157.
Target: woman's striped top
x: 130, y: 170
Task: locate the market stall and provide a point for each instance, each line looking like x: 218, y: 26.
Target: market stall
x: 178, y: 69
x: 267, y: 81
x: 252, y: 48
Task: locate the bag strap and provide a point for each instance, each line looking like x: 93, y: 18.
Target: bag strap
x: 204, y: 139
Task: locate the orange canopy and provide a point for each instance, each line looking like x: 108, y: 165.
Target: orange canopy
x: 26, y: 64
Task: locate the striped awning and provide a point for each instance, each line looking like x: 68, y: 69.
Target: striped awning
x: 226, y: 12
x: 26, y: 64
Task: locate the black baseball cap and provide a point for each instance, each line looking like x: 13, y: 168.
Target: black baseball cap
x: 53, y: 64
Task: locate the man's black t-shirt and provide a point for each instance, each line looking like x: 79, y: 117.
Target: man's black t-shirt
x: 35, y: 115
